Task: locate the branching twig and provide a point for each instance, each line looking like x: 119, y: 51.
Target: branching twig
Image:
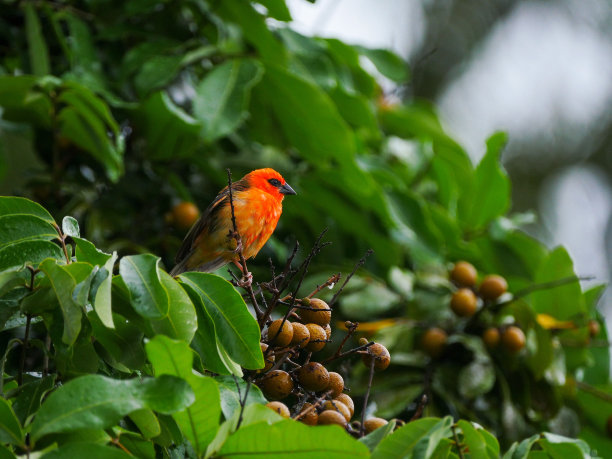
x: 365, y: 399
x: 344, y: 354
x: 360, y: 263
x: 457, y: 443
x: 312, y: 407
x: 351, y: 326
x: 246, y: 285
x: 331, y: 281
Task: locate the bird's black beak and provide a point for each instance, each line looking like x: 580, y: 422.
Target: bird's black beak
x: 286, y: 189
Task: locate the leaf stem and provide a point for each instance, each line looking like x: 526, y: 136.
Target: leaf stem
x: 365, y: 399
x: 457, y: 443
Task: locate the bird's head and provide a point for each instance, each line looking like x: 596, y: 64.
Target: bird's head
x: 269, y: 181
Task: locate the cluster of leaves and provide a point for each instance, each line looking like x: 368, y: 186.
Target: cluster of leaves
x: 146, y: 364
x: 115, y: 111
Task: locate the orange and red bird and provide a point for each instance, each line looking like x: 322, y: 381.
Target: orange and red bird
x: 257, y: 198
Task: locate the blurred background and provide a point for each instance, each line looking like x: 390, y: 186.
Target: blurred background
x: 539, y: 70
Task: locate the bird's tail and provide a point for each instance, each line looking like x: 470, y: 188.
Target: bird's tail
x: 210, y: 266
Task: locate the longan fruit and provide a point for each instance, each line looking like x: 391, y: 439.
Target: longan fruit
x: 185, y: 214
x: 328, y: 330
x: 348, y: 401
x: 276, y: 384
x: 301, y: 335
x: 492, y: 287
x: 464, y: 274
x: 336, y: 384
x: 268, y: 359
x: 313, y: 376
x: 491, y: 337
x: 513, y: 339
x: 317, y: 338
x: 464, y: 302
x: 593, y: 328
x: 370, y: 425
x: 332, y: 417
x: 380, y: 354
x: 311, y: 418
x: 282, y: 338
x: 434, y: 342
x: 320, y: 317
x: 338, y: 406
x: 280, y: 408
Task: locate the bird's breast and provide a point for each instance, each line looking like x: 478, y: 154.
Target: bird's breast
x: 257, y: 214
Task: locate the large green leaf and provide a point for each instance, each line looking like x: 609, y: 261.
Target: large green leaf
x: 235, y: 327
x: 20, y: 228
x: 405, y: 439
x: 307, y: 116
x: 563, y: 302
x: 86, y: 251
x: 387, y: 62
x: 12, y: 205
x: 232, y: 390
x: 30, y: 397
x: 141, y: 274
x: 475, y: 442
x: 95, y: 401
x: 63, y: 285
x: 290, y: 439
x: 223, y: 95
x: 182, y: 320
x: 88, y: 450
x: 30, y: 252
x: 10, y: 429
x: 200, y: 421
x: 37, y: 47
x: 102, y: 300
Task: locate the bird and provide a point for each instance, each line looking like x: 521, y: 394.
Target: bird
x: 257, y: 199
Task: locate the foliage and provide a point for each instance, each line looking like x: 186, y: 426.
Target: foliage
x: 115, y: 112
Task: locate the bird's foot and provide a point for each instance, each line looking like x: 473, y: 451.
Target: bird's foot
x: 246, y: 281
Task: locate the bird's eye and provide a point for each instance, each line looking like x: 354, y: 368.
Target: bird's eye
x: 274, y: 182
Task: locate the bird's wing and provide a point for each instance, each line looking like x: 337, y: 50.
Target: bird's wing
x: 208, y: 221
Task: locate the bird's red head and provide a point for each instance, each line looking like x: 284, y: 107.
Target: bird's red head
x: 269, y: 181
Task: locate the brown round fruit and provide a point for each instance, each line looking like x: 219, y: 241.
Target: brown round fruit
x: 348, y: 401
x: 464, y: 274
x: 268, y: 359
x: 492, y: 287
x: 311, y: 418
x: 434, y: 342
x: 280, y: 337
x: 593, y: 328
x: 301, y: 335
x: 370, y: 425
x: 321, y: 315
x: 185, y: 214
x: 327, y: 329
x: 280, y: 408
x: 318, y: 338
x: 464, y: 302
x: 276, y: 384
x: 491, y: 337
x: 313, y: 376
x: 380, y: 354
x: 513, y: 339
x: 331, y: 417
x: 338, y: 406
x: 336, y: 384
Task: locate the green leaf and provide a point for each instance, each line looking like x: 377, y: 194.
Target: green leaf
x: 169, y: 131
x: 10, y: 429
x: 20, y: 228
x: 157, y: 72
x: 29, y: 252
x: 123, y: 342
x: 182, y: 320
x: 30, y: 396
x: 277, y: 9
x: 235, y: 327
x: 39, y: 54
x: 490, y: 196
x: 70, y: 226
x: 98, y: 402
x: 387, y: 62
x: 307, y: 116
x: 223, y: 95
x: 88, y: 450
x: 11, y: 205
x: 86, y: 251
x: 426, y: 446
x: 562, y: 302
x: 102, y: 300
x: 147, y: 422
x: 521, y: 450
x: 288, y: 439
x: 141, y: 274
x: 560, y: 447
x: 63, y: 285
x: 200, y: 421
x: 230, y: 398
x: 404, y: 440
x: 474, y: 441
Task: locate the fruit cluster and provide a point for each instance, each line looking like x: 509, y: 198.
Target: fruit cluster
x: 316, y: 395
x: 467, y: 301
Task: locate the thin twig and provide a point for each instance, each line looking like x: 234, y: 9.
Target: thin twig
x: 457, y: 443
x: 331, y: 281
x: 246, y: 285
x: 243, y: 403
x: 62, y: 239
x: 352, y: 326
x: 594, y: 391
x: 360, y: 263
x: 313, y: 406
x: 420, y: 407
x: 365, y: 399
x: 545, y: 286
x: 344, y: 354
x: 24, y: 347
